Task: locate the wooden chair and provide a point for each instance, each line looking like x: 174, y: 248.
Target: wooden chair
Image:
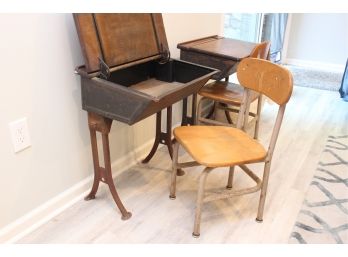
x: 223, y: 146
x: 225, y: 94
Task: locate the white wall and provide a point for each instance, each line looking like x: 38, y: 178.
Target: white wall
x: 318, y: 38
x: 38, y: 55
x: 185, y: 27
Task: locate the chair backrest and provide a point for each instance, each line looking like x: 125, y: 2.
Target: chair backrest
x: 266, y: 78
x: 261, y: 50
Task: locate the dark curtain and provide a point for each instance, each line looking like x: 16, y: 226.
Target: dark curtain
x: 274, y: 30
x: 278, y: 32
x: 344, y: 85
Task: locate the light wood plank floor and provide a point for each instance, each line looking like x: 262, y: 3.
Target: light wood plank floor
x: 310, y: 117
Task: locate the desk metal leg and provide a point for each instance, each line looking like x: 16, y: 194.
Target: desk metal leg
x: 97, y: 178
x: 157, y: 138
x: 103, y: 125
x: 184, y: 117
x: 186, y: 120
x: 194, y: 110
x: 212, y: 110
x: 164, y: 138
x: 227, y: 113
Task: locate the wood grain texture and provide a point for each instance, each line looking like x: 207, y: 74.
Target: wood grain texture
x: 311, y: 116
x: 226, y: 92
x: 216, y: 52
x: 265, y: 77
x: 126, y: 37
x: 88, y: 40
x: 156, y: 88
x: 120, y: 38
x: 261, y: 50
x: 220, y: 47
x: 219, y: 146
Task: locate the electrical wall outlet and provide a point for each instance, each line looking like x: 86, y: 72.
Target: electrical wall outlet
x: 20, y: 134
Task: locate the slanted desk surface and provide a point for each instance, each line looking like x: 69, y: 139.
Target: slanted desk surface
x: 220, y: 46
x: 217, y: 52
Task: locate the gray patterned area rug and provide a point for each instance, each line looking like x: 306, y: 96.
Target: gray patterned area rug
x: 307, y: 77
x: 324, y: 214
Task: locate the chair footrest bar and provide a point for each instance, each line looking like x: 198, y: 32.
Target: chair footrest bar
x: 235, y: 110
x: 187, y: 164
x: 250, y: 174
x: 228, y: 193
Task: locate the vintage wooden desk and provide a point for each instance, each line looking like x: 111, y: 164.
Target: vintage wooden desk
x: 217, y: 52
x: 128, y: 75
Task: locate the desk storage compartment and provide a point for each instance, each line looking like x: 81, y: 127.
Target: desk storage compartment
x: 136, y: 92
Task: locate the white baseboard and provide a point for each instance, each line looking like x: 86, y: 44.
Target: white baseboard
x: 40, y: 215
x: 331, y: 67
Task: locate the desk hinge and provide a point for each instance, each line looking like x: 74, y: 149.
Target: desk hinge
x: 104, y: 69
x: 165, y: 55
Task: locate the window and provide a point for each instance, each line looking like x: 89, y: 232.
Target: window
x: 258, y: 27
x: 242, y: 26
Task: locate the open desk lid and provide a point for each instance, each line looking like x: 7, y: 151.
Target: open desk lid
x: 118, y: 39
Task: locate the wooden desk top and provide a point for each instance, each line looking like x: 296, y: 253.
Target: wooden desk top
x: 220, y: 47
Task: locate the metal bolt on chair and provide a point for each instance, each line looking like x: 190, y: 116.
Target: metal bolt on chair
x: 224, y: 146
x: 228, y: 97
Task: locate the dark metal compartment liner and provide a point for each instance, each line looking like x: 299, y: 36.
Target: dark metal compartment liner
x: 127, y: 105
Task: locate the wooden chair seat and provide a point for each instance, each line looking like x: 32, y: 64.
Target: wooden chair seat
x: 219, y: 146
x: 226, y: 92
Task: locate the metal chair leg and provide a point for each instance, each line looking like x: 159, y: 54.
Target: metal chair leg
x: 215, y: 108
x: 199, y: 203
x: 211, y: 112
x: 246, y: 116
x: 199, y: 111
x: 258, y: 116
x: 230, y: 178
x: 227, y: 113
x: 184, y: 120
x: 259, y: 217
x: 194, y: 109
x: 174, y: 171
